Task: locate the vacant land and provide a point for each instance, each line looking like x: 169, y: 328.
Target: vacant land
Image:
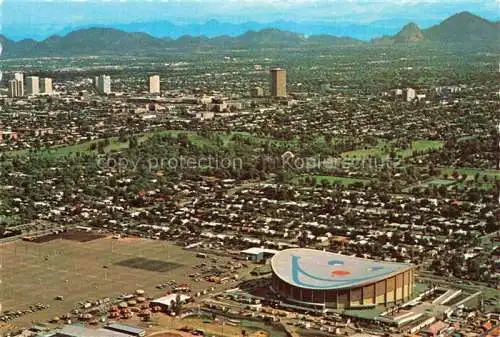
x: 74, y: 235
x: 38, y: 272
x: 213, y: 327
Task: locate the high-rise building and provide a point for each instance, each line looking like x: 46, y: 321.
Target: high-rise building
x: 16, y: 85
x: 13, y: 88
x: 409, y: 94
x: 257, y: 92
x: 278, y: 82
x: 46, y: 86
x: 32, y: 85
x: 154, y: 84
x: 104, y: 84
x: 19, y: 76
x: 20, y: 88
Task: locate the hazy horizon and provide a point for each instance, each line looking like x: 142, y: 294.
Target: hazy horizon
x: 35, y: 18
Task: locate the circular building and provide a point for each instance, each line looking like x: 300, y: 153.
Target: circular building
x: 323, y: 279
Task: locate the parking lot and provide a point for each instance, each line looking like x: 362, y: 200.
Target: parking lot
x: 80, y: 271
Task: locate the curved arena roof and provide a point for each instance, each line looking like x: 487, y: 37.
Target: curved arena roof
x: 315, y: 269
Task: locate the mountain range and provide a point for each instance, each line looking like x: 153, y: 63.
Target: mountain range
x: 460, y: 28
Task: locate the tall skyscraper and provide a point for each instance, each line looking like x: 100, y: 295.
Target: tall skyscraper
x: 13, y: 88
x: 104, y: 84
x: 278, y: 82
x: 154, y: 84
x: 46, y: 86
x: 20, y: 88
x: 32, y: 85
x: 16, y: 85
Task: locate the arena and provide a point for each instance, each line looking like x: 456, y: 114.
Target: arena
x: 322, y: 279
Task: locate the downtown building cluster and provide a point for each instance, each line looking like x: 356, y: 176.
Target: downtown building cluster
x: 34, y: 86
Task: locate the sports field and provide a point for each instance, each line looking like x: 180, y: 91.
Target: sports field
x: 37, y: 272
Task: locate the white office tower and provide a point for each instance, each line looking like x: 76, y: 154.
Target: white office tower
x: 13, y: 88
x: 20, y: 88
x: 19, y: 77
x: 104, y: 84
x: 32, y: 85
x: 154, y: 84
x: 46, y: 86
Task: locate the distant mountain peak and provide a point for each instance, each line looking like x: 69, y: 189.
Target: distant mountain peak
x: 410, y: 33
x: 464, y: 26
x: 464, y: 14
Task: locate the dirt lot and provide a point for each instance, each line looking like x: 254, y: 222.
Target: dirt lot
x: 208, y: 326
x: 74, y: 235
x: 38, y: 272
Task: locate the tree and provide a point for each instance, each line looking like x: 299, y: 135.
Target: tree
x: 177, y: 307
x: 456, y: 263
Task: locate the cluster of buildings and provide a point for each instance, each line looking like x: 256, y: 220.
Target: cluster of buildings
x: 103, y: 84
x: 278, y: 85
x: 34, y: 86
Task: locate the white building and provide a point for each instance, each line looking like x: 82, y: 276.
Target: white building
x: 154, y: 84
x: 167, y: 302
x: 20, y: 88
x: 32, y: 85
x: 409, y: 94
x: 46, y: 86
x: 16, y: 86
x: 19, y: 77
x: 104, y: 84
x: 13, y: 88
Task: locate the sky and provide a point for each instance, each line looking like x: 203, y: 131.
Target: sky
x: 73, y: 12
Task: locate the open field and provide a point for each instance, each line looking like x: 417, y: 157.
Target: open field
x: 382, y: 149
x: 38, y: 272
x: 471, y: 172
x: 438, y: 182
x: 334, y: 180
x: 421, y: 146
x: 74, y: 235
x: 116, y: 145
x: 214, y: 328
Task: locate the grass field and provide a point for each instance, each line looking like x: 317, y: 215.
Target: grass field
x: 115, y: 145
x: 471, y: 172
x: 38, y: 272
x: 420, y: 145
x: 71, y: 150
x: 364, y: 153
x: 334, y: 180
x: 438, y: 182
x: 380, y: 150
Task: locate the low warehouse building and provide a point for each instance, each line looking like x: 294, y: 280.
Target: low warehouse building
x: 126, y: 329
x: 256, y: 254
x: 80, y: 331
